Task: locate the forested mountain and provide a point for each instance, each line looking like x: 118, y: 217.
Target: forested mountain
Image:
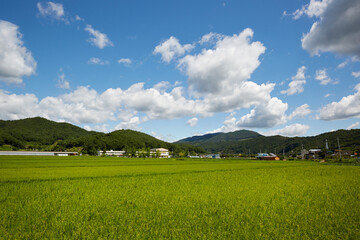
x: 42, y: 134
x: 244, y: 141
x: 35, y: 132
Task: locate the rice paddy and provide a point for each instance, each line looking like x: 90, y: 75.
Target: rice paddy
x: 114, y: 198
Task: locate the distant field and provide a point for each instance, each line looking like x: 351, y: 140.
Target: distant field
x: 113, y: 198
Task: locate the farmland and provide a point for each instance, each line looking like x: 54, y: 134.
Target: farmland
x: 114, y: 198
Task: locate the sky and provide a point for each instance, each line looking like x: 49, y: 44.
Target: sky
x: 174, y: 69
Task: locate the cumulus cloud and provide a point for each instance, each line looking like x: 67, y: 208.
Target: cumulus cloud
x: 301, y: 111
x: 97, y: 61
x: 97, y: 128
x: 125, y: 61
x: 297, y: 83
x: 162, y: 86
x: 15, y: 60
x: 292, y: 130
x: 314, y: 9
x: 347, y: 107
x: 98, y: 39
x: 52, y: 10
x: 62, y: 82
x: 337, y: 28
x: 356, y: 74
x: 171, y: 48
x: 192, y: 122
x: 210, y: 38
x: 224, y: 68
x: 354, y: 125
x: 13, y: 107
x: 322, y: 76
x: 265, y: 116
x: 132, y: 123
x: 229, y: 124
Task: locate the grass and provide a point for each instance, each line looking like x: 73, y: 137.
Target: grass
x: 112, y: 198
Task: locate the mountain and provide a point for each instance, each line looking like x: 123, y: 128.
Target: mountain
x: 42, y: 134
x: 219, y: 142
x: 244, y: 141
x: 34, y: 132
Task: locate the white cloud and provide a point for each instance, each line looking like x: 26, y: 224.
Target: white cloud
x: 13, y: 107
x: 211, y: 38
x: 192, y: 122
x: 292, y: 130
x: 162, y: 86
x: 265, y: 116
x: 125, y: 61
x: 337, y: 29
x: 343, y: 64
x: 327, y: 95
x: 98, y: 39
x: 98, y: 61
x: 77, y: 18
x: 229, y: 124
x: 314, y: 9
x: 62, y: 82
x: 356, y: 74
x: 171, y: 48
x: 297, y: 83
x: 301, y: 111
x: 52, y: 10
x: 354, y: 125
x: 220, y: 71
x: 322, y: 76
x: 97, y: 128
x: 347, y: 107
x: 133, y: 124
x: 15, y: 60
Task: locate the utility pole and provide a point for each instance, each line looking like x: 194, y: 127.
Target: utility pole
x: 284, y: 153
x: 327, y: 145
x: 339, y: 147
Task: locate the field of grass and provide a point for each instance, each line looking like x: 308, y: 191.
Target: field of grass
x: 113, y: 198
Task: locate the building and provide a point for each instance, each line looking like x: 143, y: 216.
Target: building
x: 162, y: 152
x: 265, y: 156
x: 35, y: 153
x: 212, y: 156
x: 112, y: 153
x: 313, y: 154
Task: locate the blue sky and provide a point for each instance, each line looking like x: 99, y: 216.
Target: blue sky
x: 174, y: 69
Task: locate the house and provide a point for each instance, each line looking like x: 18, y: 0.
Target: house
x: 163, y: 152
x: 313, y: 154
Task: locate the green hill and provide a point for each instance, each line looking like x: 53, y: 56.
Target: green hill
x: 244, y: 141
x: 36, y: 132
x: 220, y: 142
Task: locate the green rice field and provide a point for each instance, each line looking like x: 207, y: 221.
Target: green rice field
x: 119, y: 198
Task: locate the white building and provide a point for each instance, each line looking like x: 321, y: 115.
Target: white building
x: 112, y: 153
x: 163, y: 152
